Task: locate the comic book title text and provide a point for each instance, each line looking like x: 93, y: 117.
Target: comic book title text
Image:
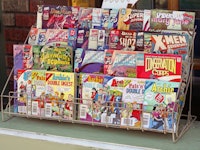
x: 127, y: 39
x: 124, y: 60
x: 98, y: 79
x: 160, y: 66
x: 135, y: 88
x: 120, y: 83
x: 166, y: 42
x: 162, y: 89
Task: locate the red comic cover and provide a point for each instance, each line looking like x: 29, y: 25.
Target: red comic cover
x: 159, y: 66
x: 122, y: 40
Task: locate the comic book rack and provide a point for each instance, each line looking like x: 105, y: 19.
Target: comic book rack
x: 177, y: 133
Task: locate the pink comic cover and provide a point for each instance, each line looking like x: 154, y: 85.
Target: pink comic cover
x: 59, y: 17
x: 122, y: 40
x: 27, y: 56
x: 120, y: 63
x: 85, y: 18
x: 159, y: 66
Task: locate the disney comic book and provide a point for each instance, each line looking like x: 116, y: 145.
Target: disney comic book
x: 160, y: 107
x: 120, y: 63
x: 38, y: 90
x: 166, y: 67
x: 60, y: 93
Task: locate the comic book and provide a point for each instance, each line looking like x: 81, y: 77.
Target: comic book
x: 132, y: 99
x: 160, y: 107
x: 139, y: 41
x: 24, y: 90
x: 18, y: 64
x: 101, y: 40
x: 55, y: 58
x: 27, y: 56
x: 41, y: 38
x: 85, y: 18
x: 122, y: 40
x: 93, y: 39
x: 120, y: 63
x: 165, y: 43
x: 72, y: 37
x: 32, y: 36
x: 88, y: 61
x: 130, y: 19
x: 38, y: 89
x: 146, y: 20
x: 96, y: 18
x: 59, y: 17
x: 166, y: 67
x: 109, y: 18
x: 171, y: 20
x: 82, y: 38
x: 60, y: 93
x: 91, y: 104
x: 57, y: 37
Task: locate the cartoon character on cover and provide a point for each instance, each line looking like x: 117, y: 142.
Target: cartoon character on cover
x: 117, y: 103
x: 68, y: 107
x: 94, y: 95
x: 157, y: 121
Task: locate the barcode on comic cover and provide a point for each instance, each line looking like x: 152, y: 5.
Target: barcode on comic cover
x: 34, y: 108
x: 48, y: 109
x: 29, y: 108
x: 83, y: 111
x: 127, y: 121
x: 20, y: 109
x: 104, y: 118
x: 146, y: 120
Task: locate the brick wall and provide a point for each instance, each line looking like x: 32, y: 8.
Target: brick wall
x: 17, y: 18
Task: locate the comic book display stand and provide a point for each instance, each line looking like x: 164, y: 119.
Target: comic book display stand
x: 181, y: 128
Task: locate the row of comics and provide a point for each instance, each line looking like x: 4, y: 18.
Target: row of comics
x: 126, y: 67
x: 133, y: 102
x: 64, y: 17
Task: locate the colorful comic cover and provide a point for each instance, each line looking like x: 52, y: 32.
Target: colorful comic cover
x: 166, y: 67
x: 72, y: 37
x: 38, y: 78
x: 160, y: 107
x: 91, y: 104
x: 32, y: 36
x: 82, y: 38
x: 57, y: 37
x: 55, y: 58
x: 41, y: 38
x: 37, y: 54
x: 88, y: 61
x: 24, y: 90
x: 27, y: 56
x: 96, y: 17
x: 130, y: 19
x: 132, y: 98
x: 171, y: 20
x: 85, y: 18
x: 59, y: 17
x: 146, y: 20
x: 109, y: 18
x: 139, y: 41
x: 166, y: 44
x: 122, y: 40
x: 18, y: 64
x: 120, y: 63
x: 60, y: 93
x: 93, y: 39
x: 101, y: 40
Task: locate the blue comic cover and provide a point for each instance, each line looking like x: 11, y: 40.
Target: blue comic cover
x: 160, y: 109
